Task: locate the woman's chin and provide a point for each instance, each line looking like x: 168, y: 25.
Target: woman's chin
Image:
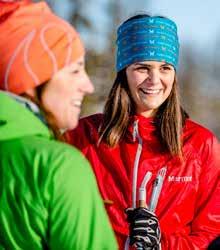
x: 72, y: 124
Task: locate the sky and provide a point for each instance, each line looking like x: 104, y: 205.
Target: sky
x: 198, y: 21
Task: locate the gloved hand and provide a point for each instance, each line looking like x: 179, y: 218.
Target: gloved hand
x: 144, y: 228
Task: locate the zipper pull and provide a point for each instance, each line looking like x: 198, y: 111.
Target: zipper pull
x: 135, y: 130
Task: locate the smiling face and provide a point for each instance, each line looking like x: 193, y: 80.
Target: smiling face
x: 150, y: 83
x: 62, y: 96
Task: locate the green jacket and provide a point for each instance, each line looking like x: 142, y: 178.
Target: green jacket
x: 48, y: 194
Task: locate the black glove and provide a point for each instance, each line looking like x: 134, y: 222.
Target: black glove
x: 144, y: 228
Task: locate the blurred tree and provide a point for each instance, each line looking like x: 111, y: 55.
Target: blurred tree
x: 216, y: 58
x: 198, y: 89
x: 188, y: 81
x: 101, y: 64
x: 79, y: 19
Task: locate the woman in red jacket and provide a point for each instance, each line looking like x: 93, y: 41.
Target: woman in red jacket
x: 157, y: 170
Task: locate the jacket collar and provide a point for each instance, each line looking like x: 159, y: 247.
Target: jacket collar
x: 146, y: 127
x: 16, y: 120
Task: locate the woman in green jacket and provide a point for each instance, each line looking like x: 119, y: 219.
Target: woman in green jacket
x: 48, y: 194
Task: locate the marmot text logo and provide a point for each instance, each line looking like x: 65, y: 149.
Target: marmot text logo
x: 179, y: 178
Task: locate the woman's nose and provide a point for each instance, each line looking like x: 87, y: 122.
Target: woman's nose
x: 153, y: 77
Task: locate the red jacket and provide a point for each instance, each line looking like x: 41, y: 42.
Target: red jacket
x: 189, y: 203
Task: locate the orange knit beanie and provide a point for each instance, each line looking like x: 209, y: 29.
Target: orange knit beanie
x: 34, y: 44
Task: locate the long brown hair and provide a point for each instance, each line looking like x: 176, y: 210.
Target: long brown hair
x: 170, y: 117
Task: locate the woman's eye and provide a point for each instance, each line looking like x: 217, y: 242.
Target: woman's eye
x: 166, y: 68
x: 76, y: 71
x: 142, y: 68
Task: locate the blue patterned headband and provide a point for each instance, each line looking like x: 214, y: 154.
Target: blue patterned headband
x: 147, y: 39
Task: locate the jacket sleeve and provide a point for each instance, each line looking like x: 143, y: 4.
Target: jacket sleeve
x: 206, y: 223
x: 77, y: 218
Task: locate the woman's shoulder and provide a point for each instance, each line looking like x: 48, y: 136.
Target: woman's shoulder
x: 94, y: 120
x: 50, y: 148
x: 197, y: 129
x: 197, y: 134
x: 43, y: 155
x: 90, y: 125
x: 56, y: 155
x: 86, y: 132
x: 201, y: 142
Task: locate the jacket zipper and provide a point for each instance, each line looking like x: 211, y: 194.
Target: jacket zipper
x: 158, y: 183
x: 136, y: 162
x: 142, y: 190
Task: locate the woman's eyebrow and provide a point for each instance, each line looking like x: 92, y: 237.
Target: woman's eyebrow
x: 149, y: 65
x: 166, y: 64
x: 142, y: 64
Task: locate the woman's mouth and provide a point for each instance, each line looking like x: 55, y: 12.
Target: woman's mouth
x: 150, y: 91
x: 76, y: 103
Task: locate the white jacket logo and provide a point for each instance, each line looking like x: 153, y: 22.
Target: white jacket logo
x: 173, y: 178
